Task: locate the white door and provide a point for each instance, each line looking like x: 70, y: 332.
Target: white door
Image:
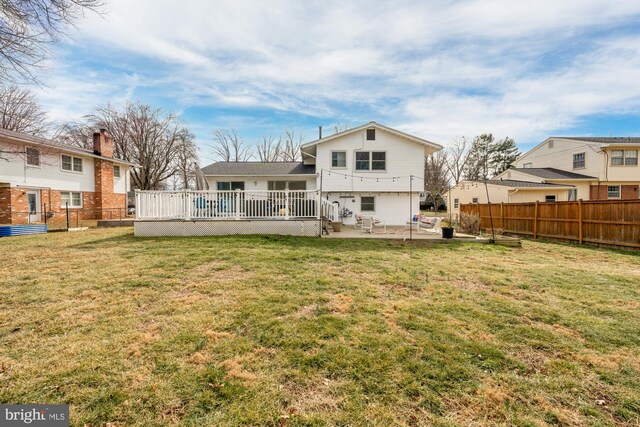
x: 33, y: 200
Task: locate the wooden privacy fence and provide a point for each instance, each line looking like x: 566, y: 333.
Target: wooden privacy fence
x: 607, y: 222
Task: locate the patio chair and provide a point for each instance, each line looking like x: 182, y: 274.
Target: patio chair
x: 430, y: 224
x: 369, y: 223
x: 358, y: 223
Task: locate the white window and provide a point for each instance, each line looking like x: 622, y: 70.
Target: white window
x: 33, y: 156
x: 71, y: 164
x: 527, y: 165
x: 367, y: 203
x: 550, y: 198
x: 227, y: 186
x: 116, y: 171
x: 474, y: 200
x: 579, y: 160
x: 371, y: 161
x: 624, y: 157
x: 613, y: 191
x: 71, y: 198
x: 338, y: 159
x: 456, y: 203
x: 572, y: 195
x: 284, y: 185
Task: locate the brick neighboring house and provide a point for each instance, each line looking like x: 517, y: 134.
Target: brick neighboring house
x: 39, y: 176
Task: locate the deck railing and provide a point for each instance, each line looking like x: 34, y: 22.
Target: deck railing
x: 235, y: 204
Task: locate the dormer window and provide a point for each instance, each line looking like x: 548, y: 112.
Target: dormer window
x: 371, y: 134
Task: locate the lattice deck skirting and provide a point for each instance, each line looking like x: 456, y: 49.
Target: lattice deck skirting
x: 177, y: 227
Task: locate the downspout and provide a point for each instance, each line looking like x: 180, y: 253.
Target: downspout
x: 512, y: 192
x: 354, y: 159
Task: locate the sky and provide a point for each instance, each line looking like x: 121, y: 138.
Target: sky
x: 440, y: 70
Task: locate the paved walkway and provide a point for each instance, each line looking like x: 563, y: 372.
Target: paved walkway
x: 397, y: 233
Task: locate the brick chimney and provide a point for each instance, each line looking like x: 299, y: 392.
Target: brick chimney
x: 103, y: 143
x: 103, y: 196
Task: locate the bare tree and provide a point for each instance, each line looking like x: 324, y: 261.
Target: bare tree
x: 456, y: 159
x: 186, y: 159
x: 436, y: 177
x: 27, y: 30
x: 268, y: 149
x: 20, y: 111
x: 141, y: 134
x: 228, y: 146
x: 341, y: 127
x: 291, y: 142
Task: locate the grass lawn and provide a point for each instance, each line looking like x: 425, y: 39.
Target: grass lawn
x: 301, y: 331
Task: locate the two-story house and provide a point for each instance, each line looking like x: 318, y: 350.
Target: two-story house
x: 562, y: 169
x: 364, y: 170
x: 41, y: 177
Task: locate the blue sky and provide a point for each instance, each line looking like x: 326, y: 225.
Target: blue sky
x: 438, y: 69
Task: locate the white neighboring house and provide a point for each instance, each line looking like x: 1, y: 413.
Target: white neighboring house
x: 38, y: 175
x: 562, y: 169
x: 364, y: 170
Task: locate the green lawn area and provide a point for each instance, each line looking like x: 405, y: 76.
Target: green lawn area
x: 301, y: 331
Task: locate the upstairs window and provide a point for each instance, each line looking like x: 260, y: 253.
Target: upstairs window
x: 33, y: 156
x: 474, y: 200
x: 456, y: 203
x: 371, y: 160
x: 579, y: 160
x: 71, y: 164
x: 624, y: 158
x: 371, y: 134
x: 116, y: 171
x: 338, y: 159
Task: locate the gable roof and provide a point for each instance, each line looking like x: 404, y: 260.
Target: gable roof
x: 604, y: 139
x: 525, y: 184
x: 36, y: 140
x: 552, y: 173
x: 375, y: 126
x: 258, y: 169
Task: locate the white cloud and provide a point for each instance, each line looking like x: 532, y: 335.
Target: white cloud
x: 438, y: 68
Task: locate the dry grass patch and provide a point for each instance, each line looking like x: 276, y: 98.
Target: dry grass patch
x: 268, y: 330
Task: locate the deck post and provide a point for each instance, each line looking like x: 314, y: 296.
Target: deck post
x: 188, y: 201
x: 319, y: 205
x: 286, y: 204
x: 138, y: 207
x: 237, y: 203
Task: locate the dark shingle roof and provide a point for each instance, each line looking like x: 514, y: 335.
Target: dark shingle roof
x: 259, y: 168
x: 605, y: 139
x: 524, y: 184
x: 552, y: 173
x: 36, y: 140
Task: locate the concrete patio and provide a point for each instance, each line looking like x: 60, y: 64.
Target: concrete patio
x: 397, y: 233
